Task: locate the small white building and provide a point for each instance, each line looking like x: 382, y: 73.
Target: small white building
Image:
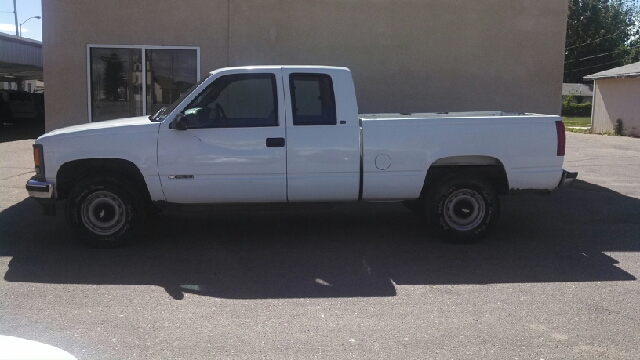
x: 616, y: 96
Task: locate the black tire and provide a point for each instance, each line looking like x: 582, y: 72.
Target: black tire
x: 463, y: 208
x: 104, y: 213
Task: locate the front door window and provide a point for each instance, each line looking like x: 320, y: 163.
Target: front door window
x: 246, y: 100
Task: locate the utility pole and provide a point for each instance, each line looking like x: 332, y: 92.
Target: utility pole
x: 15, y: 14
x: 19, y: 81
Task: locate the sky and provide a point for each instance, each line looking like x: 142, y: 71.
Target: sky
x: 26, y: 9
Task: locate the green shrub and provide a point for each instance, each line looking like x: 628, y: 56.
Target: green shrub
x: 570, y: 109
x: 619, y: 128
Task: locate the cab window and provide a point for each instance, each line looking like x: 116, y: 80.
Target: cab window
x: 312, y: 99
x: 243, y: 100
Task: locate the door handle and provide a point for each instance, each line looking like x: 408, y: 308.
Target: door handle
x: 275, y: 142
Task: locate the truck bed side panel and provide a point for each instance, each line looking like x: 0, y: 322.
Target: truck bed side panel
x: 398, y: 152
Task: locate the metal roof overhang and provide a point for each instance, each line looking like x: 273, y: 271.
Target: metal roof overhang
x: 20, y: 58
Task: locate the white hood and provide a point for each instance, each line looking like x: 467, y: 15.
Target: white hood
x: 133, y: 139
x: 135, y: 124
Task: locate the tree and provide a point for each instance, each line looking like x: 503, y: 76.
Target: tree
x: 601, y: 34
x: 113, y: 76
x: 634, y: 44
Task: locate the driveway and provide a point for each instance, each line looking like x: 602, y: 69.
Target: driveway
x: 556, y: 279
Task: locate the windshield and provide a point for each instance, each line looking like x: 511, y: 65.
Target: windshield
x: 163, y: 112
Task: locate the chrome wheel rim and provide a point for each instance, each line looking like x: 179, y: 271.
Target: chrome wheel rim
x: 103, y: 213
x: 464, y: 210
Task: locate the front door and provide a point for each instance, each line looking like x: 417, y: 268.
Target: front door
x: 234, y: 147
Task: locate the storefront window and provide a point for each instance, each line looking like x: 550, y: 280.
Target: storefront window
x: 115, y: 93
x: 117, y: 77
x: 170, y: 73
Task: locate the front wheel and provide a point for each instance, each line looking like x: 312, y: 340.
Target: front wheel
x: 104, y: 213
x: 463, y: 208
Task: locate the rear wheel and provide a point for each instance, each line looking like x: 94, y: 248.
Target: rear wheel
x: 104, y: 213
x: 463, y: 208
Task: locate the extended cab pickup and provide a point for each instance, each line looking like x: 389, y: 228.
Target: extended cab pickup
x: 275, y: 134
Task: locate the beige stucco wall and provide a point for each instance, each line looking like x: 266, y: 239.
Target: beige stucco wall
x: 616, y: 99
x: 70, y: 25
x: 406, y: 55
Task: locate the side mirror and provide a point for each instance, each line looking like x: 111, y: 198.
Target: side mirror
x: 179, y: 123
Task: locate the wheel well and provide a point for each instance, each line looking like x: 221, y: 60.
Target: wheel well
x: 72, y: 172
x: 494, y: 173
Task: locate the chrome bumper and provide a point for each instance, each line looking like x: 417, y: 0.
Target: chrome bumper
x: 567, y: 178
x: 41, y: 189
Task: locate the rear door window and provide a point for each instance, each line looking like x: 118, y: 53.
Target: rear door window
x: 312, y: 99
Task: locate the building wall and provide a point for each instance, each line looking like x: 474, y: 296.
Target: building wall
x: 70, y: 25
x: 406, y: 55
x: 8, y: 86
x: 36, y: 85
x: 616, y: 99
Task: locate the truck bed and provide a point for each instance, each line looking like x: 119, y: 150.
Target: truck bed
x: 398, y: 149
x: 465, y: 114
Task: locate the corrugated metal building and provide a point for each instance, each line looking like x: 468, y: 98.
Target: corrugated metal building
x: 20, y: 59
x: 616, y: 96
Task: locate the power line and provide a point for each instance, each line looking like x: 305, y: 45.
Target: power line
x: 589, y: 67
x: 590, y: 42
x: 599, y: 55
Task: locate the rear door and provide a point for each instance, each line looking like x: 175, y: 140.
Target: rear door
x: 323, y: 135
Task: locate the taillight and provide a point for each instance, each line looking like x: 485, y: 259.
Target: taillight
x: 562, y: 138
x: 38, y: 159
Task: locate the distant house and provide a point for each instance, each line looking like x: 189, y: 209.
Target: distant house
x: 616, y: 97
x: 581, y: 93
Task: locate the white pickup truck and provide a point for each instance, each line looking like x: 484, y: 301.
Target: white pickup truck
x: 276, y: 134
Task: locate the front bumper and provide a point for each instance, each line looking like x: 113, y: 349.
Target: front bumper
x: 568, y: 178
x: 40, y: 189
x: 44, y: 193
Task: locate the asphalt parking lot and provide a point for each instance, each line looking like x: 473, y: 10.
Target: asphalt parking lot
x: 556, y: 279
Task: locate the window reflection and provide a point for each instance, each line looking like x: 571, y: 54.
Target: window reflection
x: 117, y: 79
x: 170, y: 74
x: 115, y: 83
